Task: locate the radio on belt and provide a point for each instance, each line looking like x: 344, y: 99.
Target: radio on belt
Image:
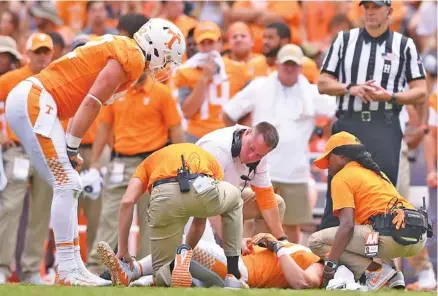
x: 183, y: 176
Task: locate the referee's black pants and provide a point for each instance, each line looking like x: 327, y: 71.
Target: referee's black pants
x: 382, y: 138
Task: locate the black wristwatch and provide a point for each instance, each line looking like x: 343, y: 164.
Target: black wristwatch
x: 348, y: 88
x: 331, y: 264
x: 283, y: 238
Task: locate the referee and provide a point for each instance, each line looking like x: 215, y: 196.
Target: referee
x: 368, y: 69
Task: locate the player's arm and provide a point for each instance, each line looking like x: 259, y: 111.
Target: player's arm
x: 296, y: 277
x: 129, y: 199
x: 106, y: 83
x: 195, y: 232
x: 176, y: 134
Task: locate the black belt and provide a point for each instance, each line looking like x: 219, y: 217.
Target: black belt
x: 367, y: 116
x: 86, y: 145
x: 141, y: 155
x: 175, y: 179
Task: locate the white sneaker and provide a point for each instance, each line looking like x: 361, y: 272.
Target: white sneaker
x: 2, y: 278
x: 121, y: 273
x: 231, y: 282
x: 144, y: 281
x: 181, y: 276
x: 377, y: 279
x: 32, y: 278
x: 397, y: 282
x: 49, y: 278
x: 73, y: 277
x: 100, y: 282
x: 427, y: 280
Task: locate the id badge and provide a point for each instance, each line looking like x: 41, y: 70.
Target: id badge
x: 117, y: 173
x: 371, y: 244
x: 20, y: 171
x: 202, y: 184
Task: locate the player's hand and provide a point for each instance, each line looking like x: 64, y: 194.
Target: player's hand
x: 247, y: 246
x: 75, y: 158
x: 125, y: 257
x: 268, y: 241
x: 399, y: 219
x: 327, y: 275
x: 432, y: 179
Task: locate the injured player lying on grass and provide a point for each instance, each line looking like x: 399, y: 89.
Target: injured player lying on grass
x: 266, y: 263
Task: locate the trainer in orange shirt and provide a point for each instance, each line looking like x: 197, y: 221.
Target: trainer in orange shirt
x: 366, y: 203
x: 275, y: 36
x: 141, y: 122
x: 76, y: 86
x: 21, y: 175
x: 199, y: 194
x: 206, y: 82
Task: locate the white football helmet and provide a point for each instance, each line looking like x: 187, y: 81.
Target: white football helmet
x: 164, y: 46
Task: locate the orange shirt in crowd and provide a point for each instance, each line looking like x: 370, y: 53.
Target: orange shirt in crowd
x: 264, y: 269
x: 165, y: 162
x: 7, y: 82
x: 368, y: 195
x: 433, y: 100
x: 310, y: 70
x: 185, y: 23
x: 209, y: 117
x: 290, y: 11
x: 318, y: 17
x: 142, y: 118
x: 69, y: 78
x: 73, y: 13
x: 256, y: 64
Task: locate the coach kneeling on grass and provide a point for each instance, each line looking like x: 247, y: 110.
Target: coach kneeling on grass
x: 375, y: 221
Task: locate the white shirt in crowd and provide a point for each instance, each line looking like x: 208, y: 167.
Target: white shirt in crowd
x: 218, y: 143
x: 292, y: 110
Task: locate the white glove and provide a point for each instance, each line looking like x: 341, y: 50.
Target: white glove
x: 92, y: 183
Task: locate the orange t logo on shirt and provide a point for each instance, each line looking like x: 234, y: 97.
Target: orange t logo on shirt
x: 175, y: 37
x: 49, y: 109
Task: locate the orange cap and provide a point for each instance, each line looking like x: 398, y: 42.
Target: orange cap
x: 239, y: 27
x: 39, y: 40
x: 206, y: 30
x: 335, y: 141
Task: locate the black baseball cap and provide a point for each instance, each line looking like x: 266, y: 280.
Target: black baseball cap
x: 380, y: 3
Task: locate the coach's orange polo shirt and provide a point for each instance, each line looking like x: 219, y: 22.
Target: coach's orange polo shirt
x: 142, y: 118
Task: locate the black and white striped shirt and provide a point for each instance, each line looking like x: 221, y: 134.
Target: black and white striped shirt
x: 355, y: 57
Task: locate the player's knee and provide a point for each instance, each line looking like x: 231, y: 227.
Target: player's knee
x: 68, y: 181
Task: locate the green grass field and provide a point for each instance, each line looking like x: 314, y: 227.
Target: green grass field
x: 22, y: 290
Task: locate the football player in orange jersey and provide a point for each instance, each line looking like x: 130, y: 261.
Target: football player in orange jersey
x: 265, y: 263
x: 76, y: 86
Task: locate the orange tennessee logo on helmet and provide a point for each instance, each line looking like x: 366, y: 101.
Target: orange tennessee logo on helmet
x: 175, y: 37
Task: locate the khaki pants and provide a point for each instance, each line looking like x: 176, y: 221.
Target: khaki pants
x: 108, y: 223
x: 296, y: 200
x: 92, y: 208
x: 251, y: 211
x: 354, y: 255
x: 420, y: 261
x: 170, y: 210
x: 11, y: 206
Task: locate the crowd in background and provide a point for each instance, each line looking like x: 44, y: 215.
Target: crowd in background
x: 244, y: 38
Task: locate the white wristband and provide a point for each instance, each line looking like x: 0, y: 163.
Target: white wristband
x: 72, y: 141
x: 96, y: 99
x: 284, y: 251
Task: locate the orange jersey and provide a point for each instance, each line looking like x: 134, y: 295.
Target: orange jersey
x: 257, y: 65
x: 7, y: 82
x: 209, y: 117
x: 165, y: 162
x: 142, y: 118
x: 264, y: 269
x: 69, y: 78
